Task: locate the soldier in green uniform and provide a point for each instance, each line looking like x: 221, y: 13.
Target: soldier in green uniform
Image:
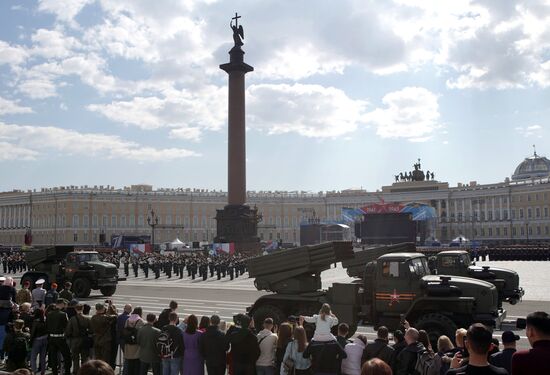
x: 101, y: 324
x: 77, y: 332
x: 66, y: 292
x: 56, y: 323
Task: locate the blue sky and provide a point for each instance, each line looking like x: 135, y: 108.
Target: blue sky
x: 344, y: 94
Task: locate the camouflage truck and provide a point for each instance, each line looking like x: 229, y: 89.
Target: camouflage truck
x: 82, y: 268
x: 458, y: 262
x: 394, y: 287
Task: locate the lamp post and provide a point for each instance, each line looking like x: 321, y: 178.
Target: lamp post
x: 152, y: 221
x: 527, y: 231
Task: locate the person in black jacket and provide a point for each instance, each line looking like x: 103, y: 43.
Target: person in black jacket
x: 163, y: 319
x: 244, y: 346
x: 399, y: 342
x: 406, y: 360
x: 326, y: 356
x: 213, y: 347
x: 380, y: 348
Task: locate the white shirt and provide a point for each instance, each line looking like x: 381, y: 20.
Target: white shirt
x: 322, y: 327
x: 268, y: 346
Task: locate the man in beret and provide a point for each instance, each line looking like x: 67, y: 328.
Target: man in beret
x: 24, y: 294
x: 51, y: 295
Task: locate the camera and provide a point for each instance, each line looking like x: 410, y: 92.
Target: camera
x: 521, y: 323
x: 108, y: 301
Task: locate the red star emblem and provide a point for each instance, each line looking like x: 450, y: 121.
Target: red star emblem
x: 394, y: 298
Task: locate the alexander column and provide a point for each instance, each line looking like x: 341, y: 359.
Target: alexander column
x: 237, y: 222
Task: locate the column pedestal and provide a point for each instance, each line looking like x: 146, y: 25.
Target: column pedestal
x: 238, y: 224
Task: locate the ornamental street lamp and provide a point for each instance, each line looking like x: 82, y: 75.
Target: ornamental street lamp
x: 152, y: 221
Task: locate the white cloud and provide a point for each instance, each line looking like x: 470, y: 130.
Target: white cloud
x: 411, y: 113
x: 36, y: 140
x: 10, y: 107
x: 53, y: 44
x: 12, y: 55
x: 9, y: 151
x: 192, y: 134
x: 186, y: 112
x: 38, y: 88
x: 64, y: 10
x: 530, y: 131
x: 309, y: 110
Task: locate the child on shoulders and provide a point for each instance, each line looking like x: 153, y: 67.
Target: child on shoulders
x: 323, y: 321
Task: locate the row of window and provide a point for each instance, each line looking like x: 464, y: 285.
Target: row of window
x: 475, y: 217
x: 504, y: 231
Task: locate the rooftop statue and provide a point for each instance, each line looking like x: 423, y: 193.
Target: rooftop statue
x: 238, y: 32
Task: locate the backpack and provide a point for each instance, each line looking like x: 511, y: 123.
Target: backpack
x: 166, y: 346
x: 427, y: 363
x: 20, y: 347
x: 129, y: 335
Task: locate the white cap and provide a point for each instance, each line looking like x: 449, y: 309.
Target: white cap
x: 40, y: 281
x: 2, y: 278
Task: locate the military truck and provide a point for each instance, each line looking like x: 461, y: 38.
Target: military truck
x: 82, y: 268
x: 394, y: 287
x: 458, y: 262
x: 355, y: 266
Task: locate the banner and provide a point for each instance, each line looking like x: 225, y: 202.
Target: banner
x: 419, y: 211
x: 271, y: 245
x: 140, y: 249
x: 223, y: 248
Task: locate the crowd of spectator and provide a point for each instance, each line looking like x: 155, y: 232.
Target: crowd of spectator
x: 41, y: 329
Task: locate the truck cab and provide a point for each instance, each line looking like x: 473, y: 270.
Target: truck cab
x: 83, y: 268
x: 458, y: 262
x: 400, y: 286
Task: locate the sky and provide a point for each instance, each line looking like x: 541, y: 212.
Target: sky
x: 344, y: 94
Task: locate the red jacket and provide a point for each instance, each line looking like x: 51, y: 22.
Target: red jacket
x: 534, y: 361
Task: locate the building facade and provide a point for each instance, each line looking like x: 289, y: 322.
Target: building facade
x: 515, y: 210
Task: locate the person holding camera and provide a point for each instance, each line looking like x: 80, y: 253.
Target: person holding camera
x: 101, y: 324
x: 535, y: 360
x: 478, y: 342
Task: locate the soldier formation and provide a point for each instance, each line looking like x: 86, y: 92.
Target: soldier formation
x: 193, y: 266
x: 13, y: 263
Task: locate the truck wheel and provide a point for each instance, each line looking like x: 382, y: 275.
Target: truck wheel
x: 82, y: 288
x: 436, y: 325
x: 108, y: 291
x: 267, y: 311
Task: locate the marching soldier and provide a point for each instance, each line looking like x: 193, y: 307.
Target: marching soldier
x: 181, y: 266
x: 126, y: 263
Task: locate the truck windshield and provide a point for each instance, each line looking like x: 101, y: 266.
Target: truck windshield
x: 88, y: 257
x: 419, y: 266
